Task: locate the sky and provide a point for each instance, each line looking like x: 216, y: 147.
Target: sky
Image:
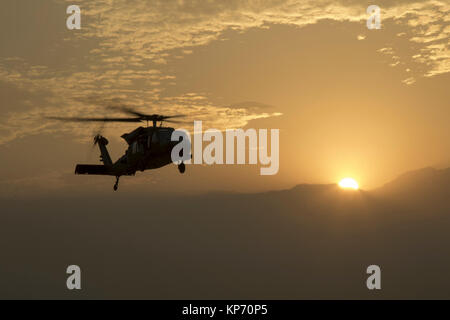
x: 348, y: 101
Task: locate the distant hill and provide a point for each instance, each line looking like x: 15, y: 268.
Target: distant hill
x: 426, y: 178
x: 424, y: 186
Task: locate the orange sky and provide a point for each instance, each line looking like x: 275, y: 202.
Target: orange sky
x: 370, y: 104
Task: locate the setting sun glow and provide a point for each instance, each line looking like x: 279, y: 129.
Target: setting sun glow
x: 348, y: 183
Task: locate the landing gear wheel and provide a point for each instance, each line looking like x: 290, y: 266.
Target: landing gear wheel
x: 182, y: 167
x: 116, y: 185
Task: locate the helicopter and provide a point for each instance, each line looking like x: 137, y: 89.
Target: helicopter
x: 149, y: 147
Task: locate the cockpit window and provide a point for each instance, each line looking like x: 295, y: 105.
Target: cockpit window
x: 164, y: 136
x: 137, y: 147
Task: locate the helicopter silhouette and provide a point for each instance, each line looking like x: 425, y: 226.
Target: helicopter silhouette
x: 149, y: 147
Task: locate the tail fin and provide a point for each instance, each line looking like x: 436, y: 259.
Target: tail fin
x: 104, y: 154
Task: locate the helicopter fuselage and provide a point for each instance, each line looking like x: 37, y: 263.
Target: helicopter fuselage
x: 148, y: 148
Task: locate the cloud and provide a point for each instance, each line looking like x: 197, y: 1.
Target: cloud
x: 429, y: 31
x: 160, y: 26
x: 135, y: 40
x: 409, y: 81
x: 88, y: 93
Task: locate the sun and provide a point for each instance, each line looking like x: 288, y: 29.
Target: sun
x: 349, y: 183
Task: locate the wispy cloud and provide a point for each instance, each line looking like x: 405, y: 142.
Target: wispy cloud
x: 135, y: 40
x: 160, y: 26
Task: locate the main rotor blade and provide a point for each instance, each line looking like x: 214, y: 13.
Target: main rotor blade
x: 174, y: 116
x: 173, y: 121
x: 144, y: 116
x: 75, y: 119
x: 128, y: 110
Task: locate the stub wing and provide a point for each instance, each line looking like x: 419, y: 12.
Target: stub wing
x: 92, y: 169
